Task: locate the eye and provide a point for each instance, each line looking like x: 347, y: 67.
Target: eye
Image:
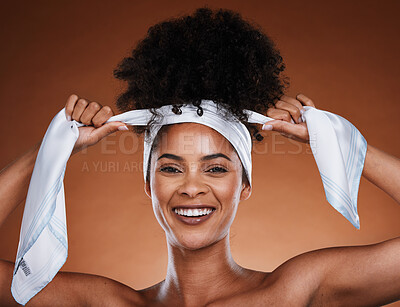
x: 217, y: 169
x: 169, y: 169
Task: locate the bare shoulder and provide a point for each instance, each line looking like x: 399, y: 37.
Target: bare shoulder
x: 293, y: 283
x: 343, y: 275
x: 367, y: 275
x: 73, y: 289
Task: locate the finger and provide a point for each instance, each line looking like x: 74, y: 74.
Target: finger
x: 80, y: 106
x: 102, y: 116
x: 297, y: 130
x: 103, y: 131
x: 90, y: 111
x: 69, y: 106
x: 305, y: 100
x: 279, y: 114
x: 292, y: 109
x: 292, y: 101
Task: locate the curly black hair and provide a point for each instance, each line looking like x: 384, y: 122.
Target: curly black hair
x: 211, y: 54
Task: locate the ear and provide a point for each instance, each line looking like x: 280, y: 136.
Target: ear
x: 147, y: 189
x: 246, y: 192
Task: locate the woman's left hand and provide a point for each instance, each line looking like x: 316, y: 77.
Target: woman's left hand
x: 287, y: 112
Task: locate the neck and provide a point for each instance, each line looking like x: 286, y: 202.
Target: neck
x: 197, y: 277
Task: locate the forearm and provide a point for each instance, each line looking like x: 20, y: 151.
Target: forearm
x: 14, y: 182
x: 383, y: 170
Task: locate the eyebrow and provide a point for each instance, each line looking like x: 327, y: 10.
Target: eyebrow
x: 214, y: 156
x: 205, y: 158
x: 170, y: 156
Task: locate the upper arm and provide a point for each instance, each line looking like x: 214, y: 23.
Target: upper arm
x: 360, y: 275
x: 6, y: 271
x: 344, y: 276
x: 71, y: 289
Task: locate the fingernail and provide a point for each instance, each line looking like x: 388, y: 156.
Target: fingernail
x: 69, y: 118
x: 123, y: 128
x: 302, y: 111
x: 266, y: 127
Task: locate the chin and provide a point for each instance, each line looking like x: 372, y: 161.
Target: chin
x: 192, y: 241
x: 192, y: 235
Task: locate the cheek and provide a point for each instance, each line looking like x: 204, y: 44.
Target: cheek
x: 162, y: 190
x: 161, y: 194
x: 229, y: 191
x: 228, y: 195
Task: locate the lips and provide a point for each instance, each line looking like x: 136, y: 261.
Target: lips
x: 193, y: 214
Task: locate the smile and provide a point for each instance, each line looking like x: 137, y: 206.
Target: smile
x: 190, y: 215
x: 193, y: 212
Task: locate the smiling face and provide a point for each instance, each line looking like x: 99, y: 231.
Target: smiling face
x: 195, y: 185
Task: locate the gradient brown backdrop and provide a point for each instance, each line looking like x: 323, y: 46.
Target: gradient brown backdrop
x: 343, y: 54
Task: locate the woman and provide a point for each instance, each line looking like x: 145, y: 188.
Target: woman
x: 220, y: 57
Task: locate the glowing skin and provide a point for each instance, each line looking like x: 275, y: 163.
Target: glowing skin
x: 195, y: 165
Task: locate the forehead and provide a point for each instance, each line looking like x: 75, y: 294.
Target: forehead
x: 192, y: 139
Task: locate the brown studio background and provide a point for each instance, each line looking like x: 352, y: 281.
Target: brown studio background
x: 343, y: 54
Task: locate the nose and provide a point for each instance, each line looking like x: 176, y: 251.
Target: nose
x: 192, y: 186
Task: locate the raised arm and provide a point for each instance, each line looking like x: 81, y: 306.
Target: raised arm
x: 346, y: 276
x: 366, y: 275
x: 14, y: 182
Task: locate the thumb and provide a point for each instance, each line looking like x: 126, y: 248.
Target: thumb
x: 106, y: 129
x: 296, y: 131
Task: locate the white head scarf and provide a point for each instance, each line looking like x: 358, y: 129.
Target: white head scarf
x: 212, y: 116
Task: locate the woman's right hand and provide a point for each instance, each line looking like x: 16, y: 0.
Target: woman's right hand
x: 94, y: 115
x: 287, y: 114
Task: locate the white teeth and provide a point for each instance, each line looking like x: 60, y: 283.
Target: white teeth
x: 193, y: 212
